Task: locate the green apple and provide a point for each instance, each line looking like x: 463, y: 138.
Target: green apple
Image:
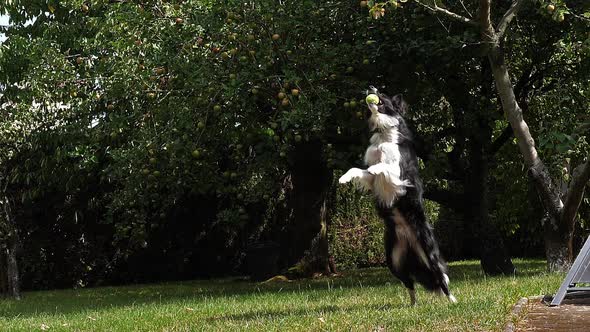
x: 560, y: 17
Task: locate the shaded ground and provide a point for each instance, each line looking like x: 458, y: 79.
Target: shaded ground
x: 572, y: 316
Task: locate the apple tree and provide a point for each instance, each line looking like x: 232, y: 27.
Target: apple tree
x: 236, y: 112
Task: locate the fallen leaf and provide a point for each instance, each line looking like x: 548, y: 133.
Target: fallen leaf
x: 276, y: 278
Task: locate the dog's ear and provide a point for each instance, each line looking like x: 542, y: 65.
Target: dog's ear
x: 399, y: 103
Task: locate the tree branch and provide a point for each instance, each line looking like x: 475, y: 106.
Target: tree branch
x: 580, y: 177
x: 484, y: 14
x: 508, y: 16
x: 438, y: 10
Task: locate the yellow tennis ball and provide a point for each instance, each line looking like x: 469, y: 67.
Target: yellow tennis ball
x: 372, y: 99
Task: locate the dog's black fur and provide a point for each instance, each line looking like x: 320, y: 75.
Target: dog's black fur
x: 411, y: 250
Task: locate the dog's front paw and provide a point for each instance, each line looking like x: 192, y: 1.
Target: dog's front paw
x: 351, y: 174
x: 379, y: 168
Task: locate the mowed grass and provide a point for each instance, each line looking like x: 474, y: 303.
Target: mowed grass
x: 362, y: 300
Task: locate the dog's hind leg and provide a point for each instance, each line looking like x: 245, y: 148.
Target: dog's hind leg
x: 426, y: 247
x: 412, y: 293
x: 445, y: 289
x: 397, y: 269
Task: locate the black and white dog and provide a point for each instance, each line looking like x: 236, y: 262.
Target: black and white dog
x: 392, y: 176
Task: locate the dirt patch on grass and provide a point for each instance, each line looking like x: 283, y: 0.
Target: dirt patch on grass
x: 535, y: 315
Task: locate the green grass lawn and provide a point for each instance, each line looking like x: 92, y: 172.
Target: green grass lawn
x: 362, y: 300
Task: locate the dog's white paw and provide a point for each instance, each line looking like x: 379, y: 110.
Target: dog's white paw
x: 452, y: 299
x: 351, y: 174
x: 446, y: 279
x: 378, y: 169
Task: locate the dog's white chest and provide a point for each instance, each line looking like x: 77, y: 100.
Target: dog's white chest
x: 372, y: 155
x: 384, y: 148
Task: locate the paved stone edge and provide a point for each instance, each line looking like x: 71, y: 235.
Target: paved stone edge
x: 515, y: 313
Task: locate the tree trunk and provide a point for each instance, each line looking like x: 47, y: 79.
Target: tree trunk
x: 548, y: 192
x: 483, y: 238
x: 3, y: 275
x: 558, y: 245
x: 494, y: 256
x: 559, y: 233
x: 557, y: 238
x: 13, y: 277
x: 311, y: 180
x: 11, y: 251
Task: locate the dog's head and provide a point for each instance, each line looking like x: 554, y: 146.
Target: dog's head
x: 388, y: 112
